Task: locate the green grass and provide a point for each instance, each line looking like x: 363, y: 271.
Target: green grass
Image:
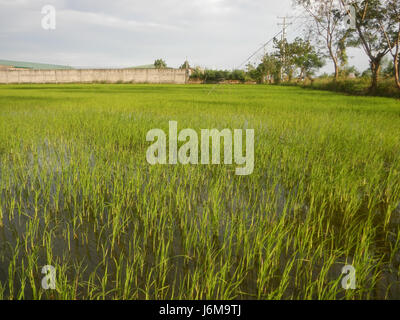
x: 359, y: 87
x: 77, y: 193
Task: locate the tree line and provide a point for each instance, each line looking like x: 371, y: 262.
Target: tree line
x: 332, y: 27
x: 373, y: 25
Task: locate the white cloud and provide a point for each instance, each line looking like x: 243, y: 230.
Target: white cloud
x: 221, y: 33
x: 105, y: 20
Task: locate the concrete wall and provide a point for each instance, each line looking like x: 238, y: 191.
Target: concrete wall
x: 94, y: 75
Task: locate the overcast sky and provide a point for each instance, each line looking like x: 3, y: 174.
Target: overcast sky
x: 118, y: 33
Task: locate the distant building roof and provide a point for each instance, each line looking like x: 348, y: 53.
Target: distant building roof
x: 32, y: 65
x: 146, y: 66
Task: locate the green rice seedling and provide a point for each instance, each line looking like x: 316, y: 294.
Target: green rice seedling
x: 77, y: 193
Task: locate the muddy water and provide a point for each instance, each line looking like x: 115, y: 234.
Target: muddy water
x: 83, y: 247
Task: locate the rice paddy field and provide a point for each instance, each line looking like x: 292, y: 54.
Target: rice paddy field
x: 77, y: 193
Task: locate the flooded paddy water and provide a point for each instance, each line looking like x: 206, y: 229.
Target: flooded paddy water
x: 81, y: 234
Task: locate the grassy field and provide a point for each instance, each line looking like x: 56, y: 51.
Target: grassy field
x: 360, y: 86
x: 77, y: 193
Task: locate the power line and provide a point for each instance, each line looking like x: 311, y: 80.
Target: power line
x: 259, y: 49
x: 255, y: 52
x: 269, y: 41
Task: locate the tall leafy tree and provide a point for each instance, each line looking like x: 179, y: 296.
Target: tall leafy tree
x: 370, y: 16
x: 284, y: 59
x: 270, y: 68
x: 329, y: 17
x: 297, y: 56
x: 305, y: 57
x: 266, y: 70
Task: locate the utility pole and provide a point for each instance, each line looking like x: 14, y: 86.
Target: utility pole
x: 284, y: 25
x: 284, y: 29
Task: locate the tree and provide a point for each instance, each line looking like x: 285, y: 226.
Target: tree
x: 370, y: 16
x: 388, y: 68
x: 197, y: 73
x: 270, y: 69
x: 185, y: 65
x: 160, y: 64
x: 342, y: 52
x: 298, y: 56
x: 285, y: 55
x: 238, y: 75
x: 392, y: 35
x: 252, y: 72
x: 305, y: 57
x: 267, y: 70
x: 329, y: 20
